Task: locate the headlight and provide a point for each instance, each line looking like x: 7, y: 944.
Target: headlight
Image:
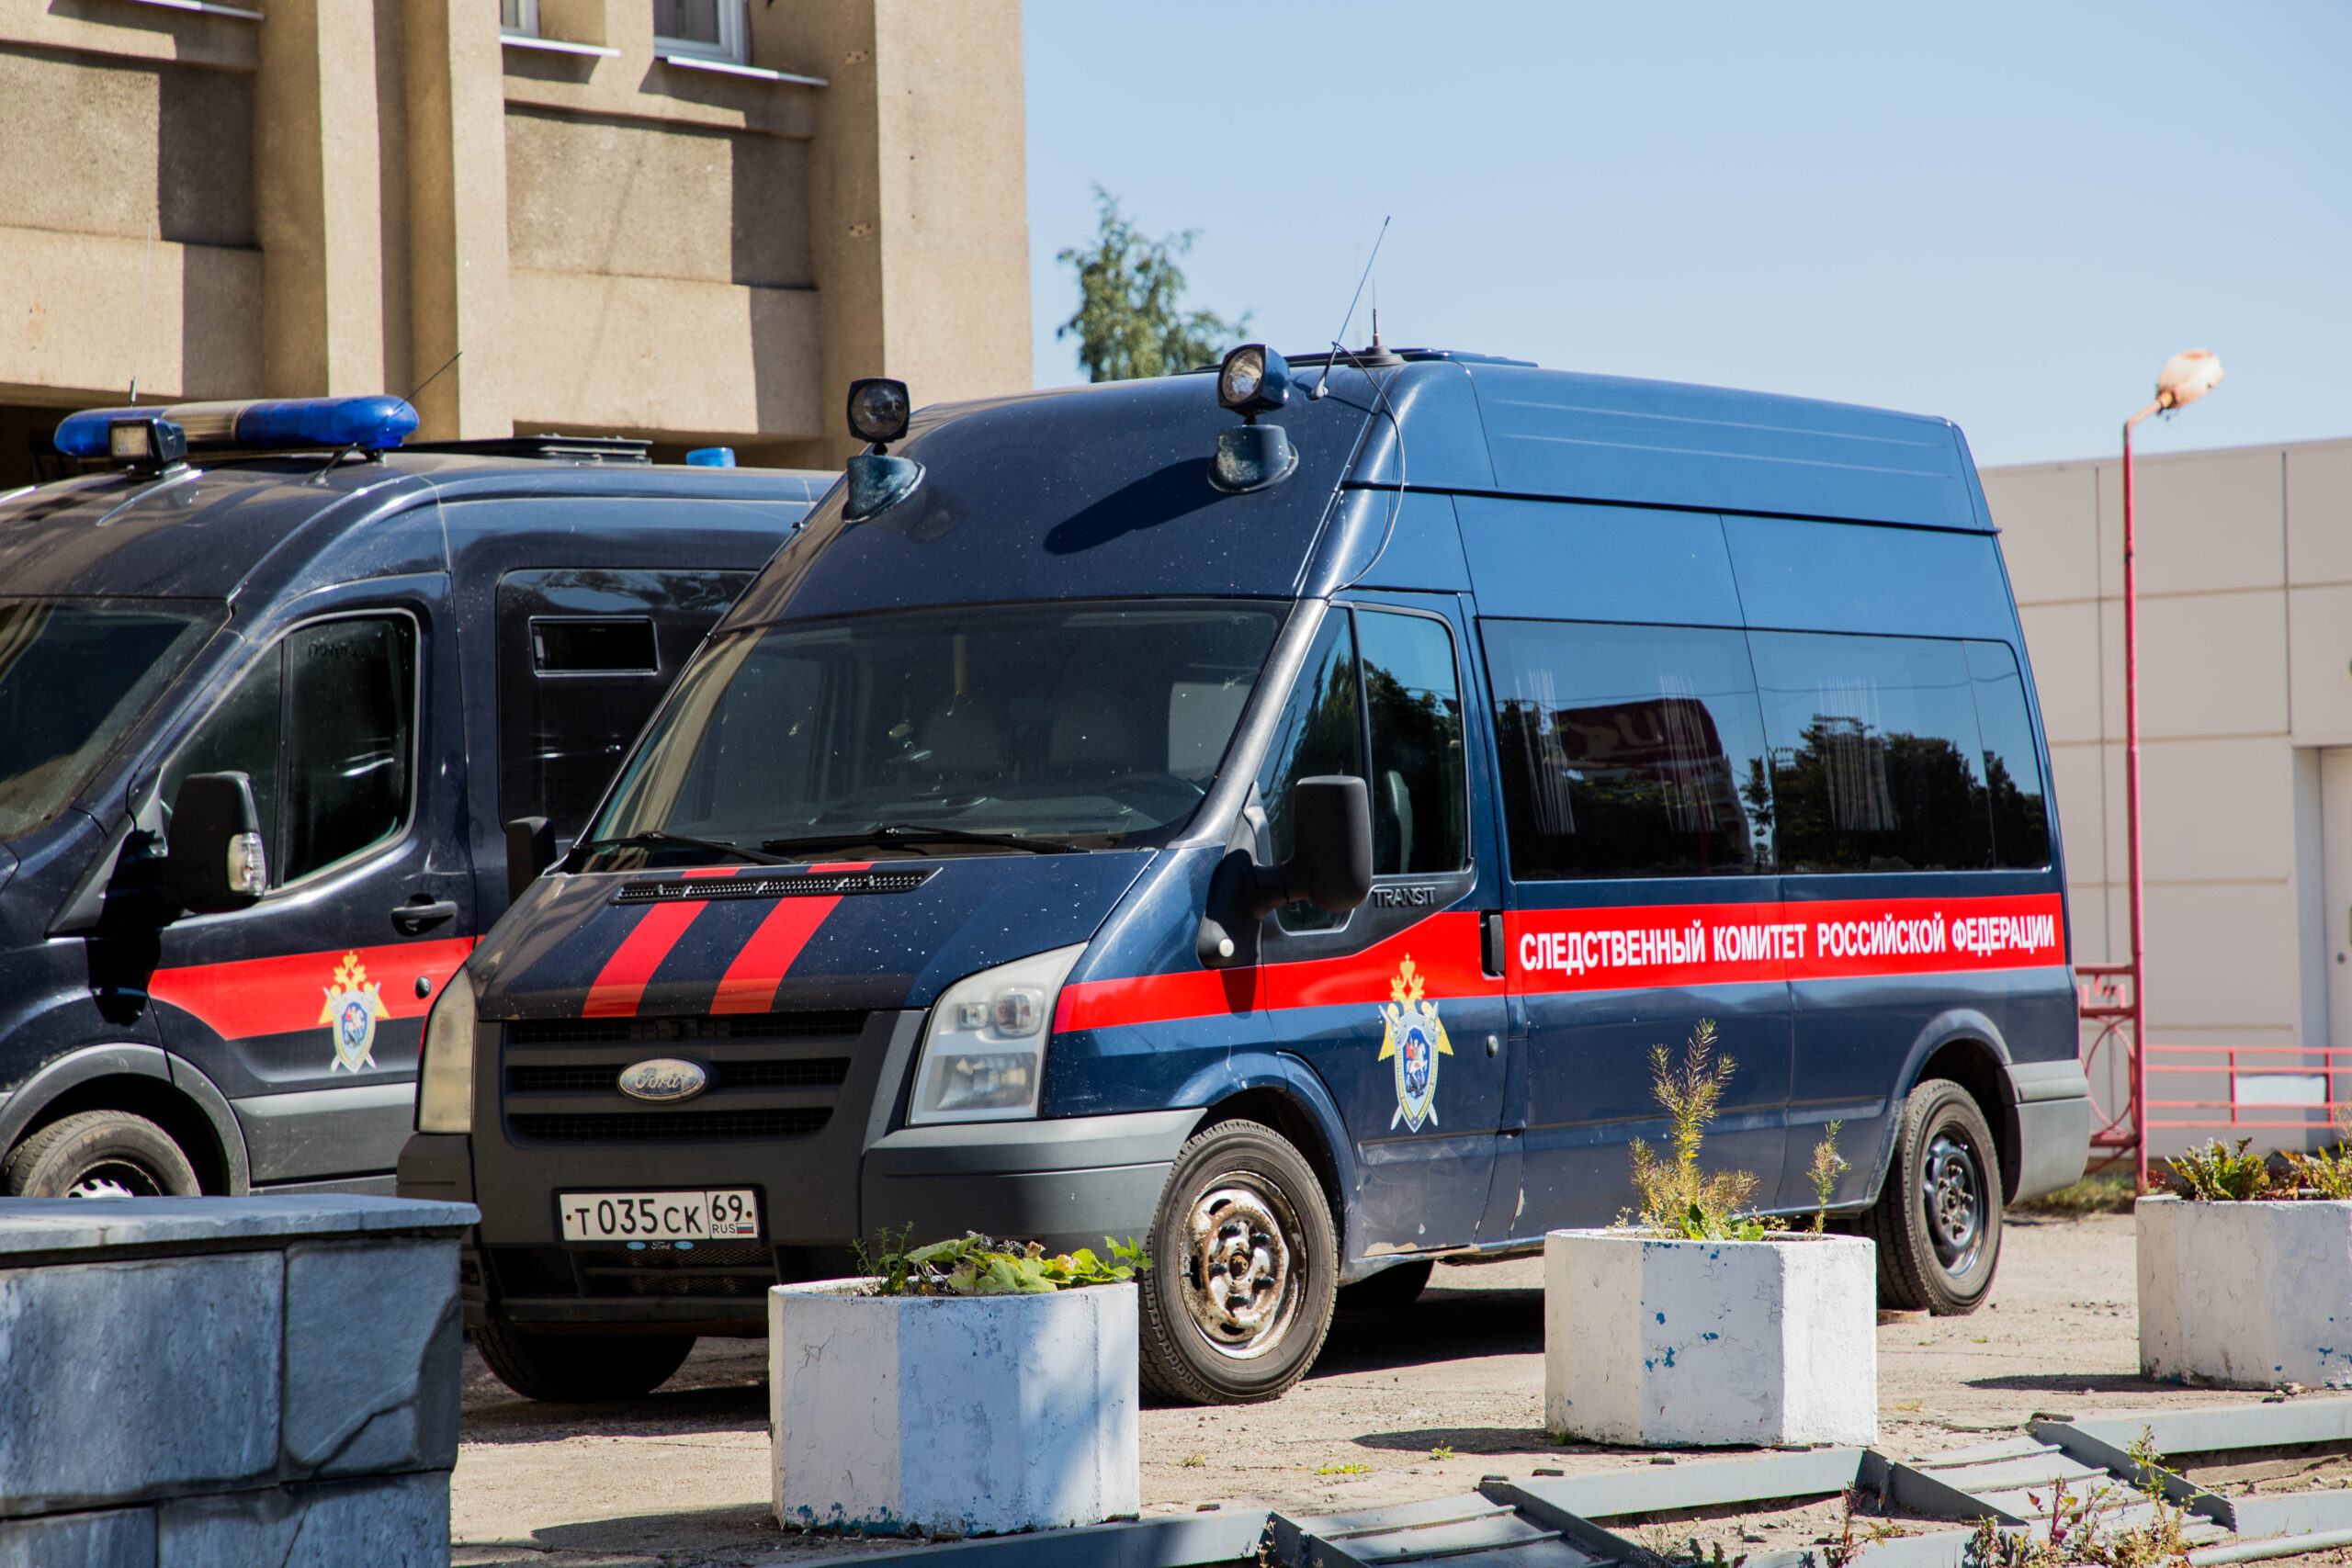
x: 445, y: 1089
x: 984, y: 1048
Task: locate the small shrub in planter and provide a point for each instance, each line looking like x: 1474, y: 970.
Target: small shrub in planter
x: 1696, y: 1323
x: 2246, y: 1274
x: 970, y: 1387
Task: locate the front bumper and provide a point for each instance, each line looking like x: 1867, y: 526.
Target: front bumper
x: 1068, y: 1183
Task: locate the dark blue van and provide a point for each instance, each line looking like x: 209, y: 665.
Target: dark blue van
x: 1276, y: 817
x: 263, y: 717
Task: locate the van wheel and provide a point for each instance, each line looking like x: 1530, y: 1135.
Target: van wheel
x: 1937, y: 1220
x: 581, y: 1369
x: 1244, y: 1262
x: 100, y: 1154
x: 1388, y: 1290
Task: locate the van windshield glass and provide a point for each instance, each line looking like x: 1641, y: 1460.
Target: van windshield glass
x: 972, y: 730
x: 74, y: 676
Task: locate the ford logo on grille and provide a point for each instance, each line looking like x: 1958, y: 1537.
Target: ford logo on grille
x: 664, y: 1078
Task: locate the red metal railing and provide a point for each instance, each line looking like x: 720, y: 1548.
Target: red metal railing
x: 2168, y: 1065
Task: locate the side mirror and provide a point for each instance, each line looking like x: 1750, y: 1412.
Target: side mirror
x: 530, y: 849
x: 1331, y: 867
x: 214, y: 861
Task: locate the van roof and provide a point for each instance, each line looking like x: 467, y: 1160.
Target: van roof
x: 1102, y: 490
x: 204, y: 536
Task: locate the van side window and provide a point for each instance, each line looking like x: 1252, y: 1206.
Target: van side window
x: 2012, y: 767
x: 325, y: 725
x: 1629, y: 751
x: 1877, y: 763
x: 1320, y: 732
x: 585, y: 654
x: 1419, y: 801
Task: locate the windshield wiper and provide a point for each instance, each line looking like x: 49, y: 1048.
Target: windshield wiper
x: 653, y: 839
x: 915, y: 832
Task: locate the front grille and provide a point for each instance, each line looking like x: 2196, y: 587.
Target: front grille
x: 812, y: 1072
x: 669, y: 1031
x: 670, y: 1126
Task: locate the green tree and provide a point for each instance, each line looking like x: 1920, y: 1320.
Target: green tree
x: 1130, y: 320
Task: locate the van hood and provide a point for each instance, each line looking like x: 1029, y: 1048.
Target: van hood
x: 765, y: 939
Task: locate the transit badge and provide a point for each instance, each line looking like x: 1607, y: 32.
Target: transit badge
x: 1416, y: 1038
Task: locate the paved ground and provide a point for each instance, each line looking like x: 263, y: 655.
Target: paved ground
x: 680, y: 1479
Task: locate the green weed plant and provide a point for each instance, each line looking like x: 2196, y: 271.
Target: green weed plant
x: 977, y: 1265
x: 2082, y: 1529
x: 1677, y: 1198
x: 2212, y: 1174
x: 1828, y: 1164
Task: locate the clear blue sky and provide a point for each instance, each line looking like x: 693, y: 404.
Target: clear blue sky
x: 2008, y: 215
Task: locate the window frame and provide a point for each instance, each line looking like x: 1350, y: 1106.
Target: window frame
x: 219, y: 694
x: 1462, y: 689
x: 527, y: 23
x: 734, y: 44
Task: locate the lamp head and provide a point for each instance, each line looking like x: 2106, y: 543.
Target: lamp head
x: 2186, y: 377
x: 1253, y: 379
x: 878, y: 408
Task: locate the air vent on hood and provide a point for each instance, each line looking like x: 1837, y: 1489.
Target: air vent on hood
x: 791, y: 884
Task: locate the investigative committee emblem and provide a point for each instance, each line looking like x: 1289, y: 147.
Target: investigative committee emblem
x: 354, y: 1004
x: 1415, y: 1039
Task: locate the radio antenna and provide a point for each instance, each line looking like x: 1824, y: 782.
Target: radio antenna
x: 411, y: 399
x: 1322, y: 383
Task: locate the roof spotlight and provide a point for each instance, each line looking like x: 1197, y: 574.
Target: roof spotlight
x: 1253, y: 379
x: 878, y: 408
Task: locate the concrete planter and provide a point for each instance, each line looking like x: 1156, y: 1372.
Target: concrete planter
x: 1695, y: 1343
x: 2245, y: 1295
x: 190, y: 1381
x: 951, y: 1414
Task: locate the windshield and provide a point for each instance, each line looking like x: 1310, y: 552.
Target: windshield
x: 976, y: 729
x: 74, y: 676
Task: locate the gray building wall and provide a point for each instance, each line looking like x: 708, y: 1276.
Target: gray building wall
x: 2246, y: 712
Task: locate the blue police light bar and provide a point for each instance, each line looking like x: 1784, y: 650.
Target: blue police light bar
x: 369, y: 424
x: 711, y: 457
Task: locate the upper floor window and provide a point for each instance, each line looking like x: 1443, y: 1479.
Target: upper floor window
x: 710, y: 30
x: 520, y: 17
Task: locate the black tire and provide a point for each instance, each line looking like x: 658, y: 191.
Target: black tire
x: 581, y: 1369
x: 100, y: 1154
x: 1391, y: 1290
x: 1238, y: 1193
x: 1937, y: 1219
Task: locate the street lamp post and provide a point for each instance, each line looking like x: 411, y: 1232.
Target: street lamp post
x: 2184, y: 378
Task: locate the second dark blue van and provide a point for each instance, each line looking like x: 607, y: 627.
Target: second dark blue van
x: 1276, y: 819
x: 265, y: 709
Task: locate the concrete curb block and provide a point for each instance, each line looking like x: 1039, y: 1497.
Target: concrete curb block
x: 2245, y: 1295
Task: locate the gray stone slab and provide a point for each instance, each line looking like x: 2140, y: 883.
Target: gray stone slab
x: 400, y: 1521
x: 120, y: 1381
x: 120, y: 1537
x: 30, y: 1226
x: 374, y: 1339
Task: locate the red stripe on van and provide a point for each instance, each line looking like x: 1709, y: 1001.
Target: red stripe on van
x: 1622, y: 948
x: 1443, y: 948
x: 248, y: 997
x: 750, y: 983
x: 622, y: 981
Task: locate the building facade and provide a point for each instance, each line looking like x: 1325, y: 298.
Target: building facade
x: 688, y: 220
x: 2246, y: 723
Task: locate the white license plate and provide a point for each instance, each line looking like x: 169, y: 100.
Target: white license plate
x: 725, y: 1213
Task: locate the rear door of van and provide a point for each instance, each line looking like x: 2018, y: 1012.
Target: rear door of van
x: 1912, y: 815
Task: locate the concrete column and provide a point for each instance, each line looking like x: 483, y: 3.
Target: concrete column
x: 317, y: 199
x: 918, y: 207
x: 457, y: 194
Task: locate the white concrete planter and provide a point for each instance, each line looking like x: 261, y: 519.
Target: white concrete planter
x: 2245, y: 1295
x: 1696, y: 1343
x: 953, y: 1415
